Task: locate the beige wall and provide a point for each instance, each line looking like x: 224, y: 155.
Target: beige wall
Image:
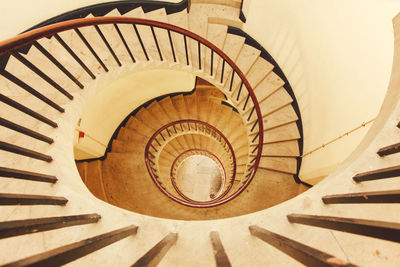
x: 337, y: 56
x: 109, y: 108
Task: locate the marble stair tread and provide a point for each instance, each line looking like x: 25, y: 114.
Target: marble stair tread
x: 282, y: 133
x: 169, y: 109
x: 221, y: 9
x: 94, y: 39
x: 111, y: 34
x: 281, y: 164
x: 94, y: 181
x: 205, y: 90
x: 138, y: 126
x: 258, y: 72
x: 52, y: 46
x: 271, y: 84
x: 21, y: 72
x: 75, y: 43
x: 217, y: 33
x: 286, y: 148
x: 126, y: 134
x: 232, y: 47
x: 161, y: 34
x: 284, y: 115
x: 191, y: 106
x: 180, y: 106
x: 148, y: 119
x: 40, y: 61
x: 120, y: 146
x: 149, y: 43
x: 274, y: 102
x: 133, y: 179
x: 180, y: 19
x: 130, y: 36
x: 157, y: 111
x: 246, y: 58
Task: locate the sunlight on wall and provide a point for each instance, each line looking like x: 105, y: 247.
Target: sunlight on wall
x: 337, y: 55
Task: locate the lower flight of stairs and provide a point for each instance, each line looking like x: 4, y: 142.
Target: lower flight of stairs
x: 125, y: 182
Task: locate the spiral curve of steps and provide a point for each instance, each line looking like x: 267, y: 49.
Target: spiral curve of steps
x: 364, y: 226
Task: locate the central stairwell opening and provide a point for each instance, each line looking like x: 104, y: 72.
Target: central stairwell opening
x: 144, y: 159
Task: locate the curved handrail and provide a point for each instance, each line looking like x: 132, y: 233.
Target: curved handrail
x: 220, y: 195
x: 196, y: 204
x: 31, y: 36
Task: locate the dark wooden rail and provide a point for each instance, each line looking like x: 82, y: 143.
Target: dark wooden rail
x: 25, y: 175
x: 221, y: 259
x: 21, y: 199
x: 306, y: 255
x: 24, y: 151
x: 22, y: 227
x: 392, y: 196
x: 378, y: 229
x: 23, y: 42
x: 377, y: 174
x: 71, y: 252
x: 388, y: 150
x: 26, y: 131
x: 156, y: 253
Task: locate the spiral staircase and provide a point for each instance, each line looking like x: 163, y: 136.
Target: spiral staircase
x: 51, y: 72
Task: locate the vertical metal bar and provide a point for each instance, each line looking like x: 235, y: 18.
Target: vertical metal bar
x: 107, y: 45
x: 141, y: 42
x: 240, y: 90
x: 186, y: 50
x: 199, y: 52
x: 172, y: 45
x: 223, y: 69
x: 124, y: 42
x: 230, y: 86
x: 212, y: 62
x: 57, y: 63
x: 72, y: 53
x: 245, y: 104
x: 155, y: 40
x: 91, y: 49
x: 251, y: 113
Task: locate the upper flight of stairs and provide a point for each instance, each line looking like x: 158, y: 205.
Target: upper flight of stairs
x: 38, y: 170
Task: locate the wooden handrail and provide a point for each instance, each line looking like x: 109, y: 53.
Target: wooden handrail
x: 50, y: 30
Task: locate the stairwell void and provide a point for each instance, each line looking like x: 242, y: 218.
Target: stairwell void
x: 151, y: 148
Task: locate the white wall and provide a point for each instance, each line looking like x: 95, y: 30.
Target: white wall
x: 337, y: 55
